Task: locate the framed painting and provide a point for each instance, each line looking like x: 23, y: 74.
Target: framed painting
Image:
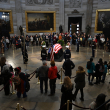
x: 40, y: 21
x: 102, y: 20
x: 6, y: 20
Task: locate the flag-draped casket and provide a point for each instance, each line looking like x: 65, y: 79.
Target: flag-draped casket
x: 58, y: 51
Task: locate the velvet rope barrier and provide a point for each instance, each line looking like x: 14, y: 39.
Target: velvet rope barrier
x: 63, y: 106
x: 79, y: 106
x: 32, y: 75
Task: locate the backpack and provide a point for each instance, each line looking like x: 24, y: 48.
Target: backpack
x: 16, y: 80
x: 100, y: 68
x: 89, y: 65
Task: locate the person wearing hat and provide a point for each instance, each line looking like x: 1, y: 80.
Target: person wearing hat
x: 67, y: 53
x: 43, y: 52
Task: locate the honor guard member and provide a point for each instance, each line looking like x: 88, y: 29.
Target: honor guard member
x: 24, y: 53
x: 77, y: 42
x: 43, y: 52
x: 67, y: 53
x: 93, y: 48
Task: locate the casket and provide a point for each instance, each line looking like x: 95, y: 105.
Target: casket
x: 58, y: 51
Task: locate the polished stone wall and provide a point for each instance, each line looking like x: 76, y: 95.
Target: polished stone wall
x: 64, y: 9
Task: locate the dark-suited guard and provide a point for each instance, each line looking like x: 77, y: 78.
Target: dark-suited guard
x: 25, y: 54
x: 43, y: 53
x: 93, y: 49
x: 68, y: 65
x: 77, y: 42
x: 67, y: 53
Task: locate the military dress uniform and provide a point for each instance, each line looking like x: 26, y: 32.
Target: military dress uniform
x: 43, y: 54
x: 25, y: 54
x: 77, y: 42
x: 93, y: 49
x: 67, y: 54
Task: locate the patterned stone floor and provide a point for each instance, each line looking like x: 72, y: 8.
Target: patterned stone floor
x: 38, y: 101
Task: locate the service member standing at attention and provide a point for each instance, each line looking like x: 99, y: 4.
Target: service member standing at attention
x: 93, y: 48
x: 67, y: 53
x: 43, y: 53
x: 77, y: 42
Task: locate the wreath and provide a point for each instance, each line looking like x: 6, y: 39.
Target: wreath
x: 61, y: 42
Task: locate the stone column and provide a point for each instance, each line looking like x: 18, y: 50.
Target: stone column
x: 61, y: 13
x: 18, y: 9
x: 89, y: 12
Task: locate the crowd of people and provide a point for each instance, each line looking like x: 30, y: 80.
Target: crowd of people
x: 76, y: 38
x: 21, y: 80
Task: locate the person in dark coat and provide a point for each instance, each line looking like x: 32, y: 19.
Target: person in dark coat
x: 99, y: 71
x: 43, y: 53
x: 80, y: 82
x: 77, y: 42
x: 6, y: 74
x: 98, y: 102
x: 66, y: 90
x: 67, y: 53
x: 68, y: 65
x: 93, y: 48
x: 43, y: 76
x: 24, y: 53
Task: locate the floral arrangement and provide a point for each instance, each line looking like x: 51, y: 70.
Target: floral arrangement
x: 68, y: 44
x: 61, y: 42
x: 43, y: 43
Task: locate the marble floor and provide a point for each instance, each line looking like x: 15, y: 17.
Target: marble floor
x: 38, y: 101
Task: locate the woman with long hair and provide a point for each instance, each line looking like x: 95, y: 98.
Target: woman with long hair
x: 99, y: 71
x: 80, y: 82
x: 98, y: 102
x: 66, y: 90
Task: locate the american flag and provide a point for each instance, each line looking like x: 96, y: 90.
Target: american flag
x: 55, y: 48
x: 52, y: 50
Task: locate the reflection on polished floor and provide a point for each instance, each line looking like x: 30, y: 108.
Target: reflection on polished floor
x: 38, y: 101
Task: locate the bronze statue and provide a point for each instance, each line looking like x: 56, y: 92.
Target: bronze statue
x: 21, y: 30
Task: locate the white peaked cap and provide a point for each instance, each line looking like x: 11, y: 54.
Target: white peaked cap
x: 67, y: 46
x: 44, y: 46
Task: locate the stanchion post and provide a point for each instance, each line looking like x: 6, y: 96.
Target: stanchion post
x: 18, y: 106
x: 61, y: 76
x: 109, y: 71
x: 68, y: 101
x: 38, y: 81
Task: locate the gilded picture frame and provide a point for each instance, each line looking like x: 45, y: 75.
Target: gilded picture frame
x: 30, y: 16
x: 10, y: 19
x: 102, y: 20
